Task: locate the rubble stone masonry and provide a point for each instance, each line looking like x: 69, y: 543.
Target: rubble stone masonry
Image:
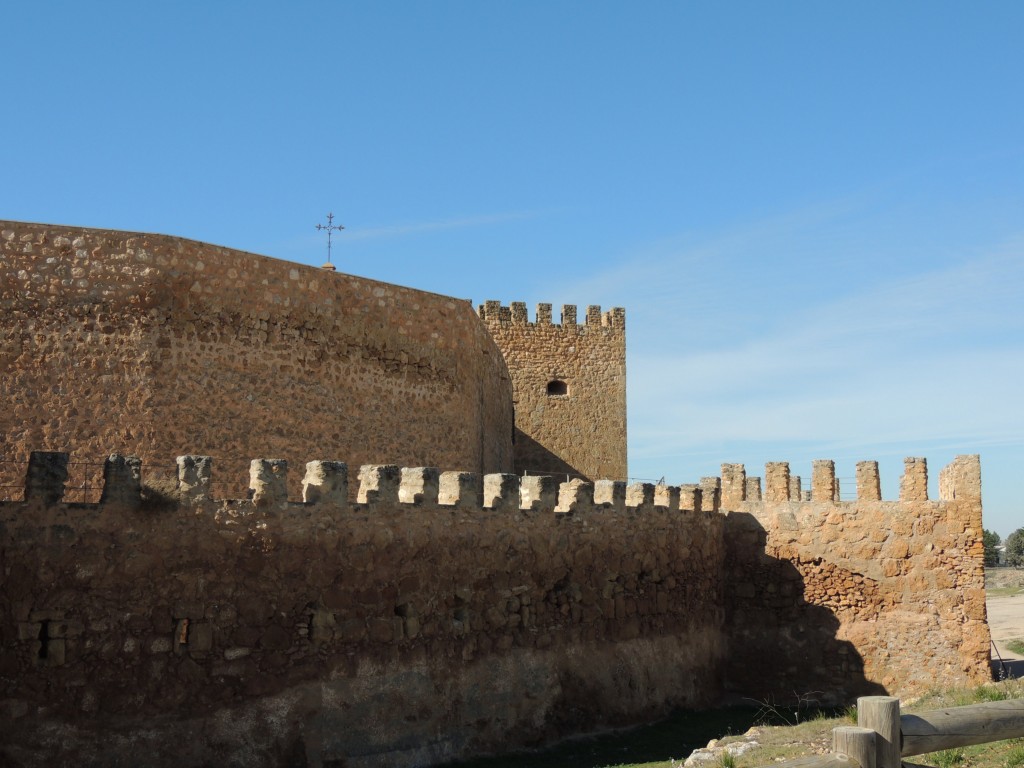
x: 145, y: 343
x: 569, y: 388
x: 419, y: 624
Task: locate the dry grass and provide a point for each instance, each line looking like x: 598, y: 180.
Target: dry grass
x: 814, y: 737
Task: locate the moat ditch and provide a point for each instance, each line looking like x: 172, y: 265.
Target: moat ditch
x: 673, y: 738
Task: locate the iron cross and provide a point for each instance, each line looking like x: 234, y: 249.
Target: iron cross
x: 330, y: 227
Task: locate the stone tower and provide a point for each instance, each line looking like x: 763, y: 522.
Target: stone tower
x: 568, y: 388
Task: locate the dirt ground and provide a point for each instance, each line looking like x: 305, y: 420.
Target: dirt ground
x: 1006, y: 614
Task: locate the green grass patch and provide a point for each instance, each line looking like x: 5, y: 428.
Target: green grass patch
x: 1003, y: 591
x: 1017, y: 646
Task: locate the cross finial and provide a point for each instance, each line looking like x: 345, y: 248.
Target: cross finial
x: 331, y: 227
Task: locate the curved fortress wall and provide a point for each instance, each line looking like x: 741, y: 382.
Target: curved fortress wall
x: 146, y: 344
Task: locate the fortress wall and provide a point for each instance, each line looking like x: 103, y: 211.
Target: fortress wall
x: 853, y: 597
x: 416, y: 625
x: 583, y: 431
x: 147, y: 344
x: 267, y: 632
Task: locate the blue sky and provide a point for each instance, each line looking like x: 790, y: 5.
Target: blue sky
x: 811, y: 211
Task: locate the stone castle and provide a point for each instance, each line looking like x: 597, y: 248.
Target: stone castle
x: 255, y: 615
x: 143, y: 344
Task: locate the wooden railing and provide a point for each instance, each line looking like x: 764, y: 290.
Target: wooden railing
x: 883, y: 737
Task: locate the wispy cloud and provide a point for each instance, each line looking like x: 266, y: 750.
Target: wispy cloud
x: 892, y: 359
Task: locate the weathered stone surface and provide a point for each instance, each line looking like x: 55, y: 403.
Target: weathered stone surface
x: 326, y: 482
x: 122, y: 480
x: 569, y: 385
x: 157, y: 345
x: 46, y: 476
x: 194, y: 477
x: 324, y: 618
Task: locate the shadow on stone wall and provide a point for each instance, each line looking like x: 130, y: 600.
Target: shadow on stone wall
x: 782, y: 649
x: 533, y: 458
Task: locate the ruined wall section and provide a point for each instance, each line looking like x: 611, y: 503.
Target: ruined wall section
x: 146, y: 343
x: 848, y: 598
x: 410, y: 627
x: 569, y: 388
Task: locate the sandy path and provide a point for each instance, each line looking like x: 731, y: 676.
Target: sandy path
x: 1006, y: 622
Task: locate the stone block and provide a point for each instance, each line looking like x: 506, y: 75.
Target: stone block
x: 501, y: 492
x: 538, y: 493
x: 776, y: 475
x: 734, y: 485
x: 419, y: 485
x: 326, y: 482
x: 575, y: 496
x: 610, y: 494
x: 195, y: 475
x: 378, y: 484
x: 268, y: 482
x: 666, y: 496
x: 640, y: 496
x: 459, y: 489
x: 46, y: 477
x: 711, y: 494
x: 122, y: 480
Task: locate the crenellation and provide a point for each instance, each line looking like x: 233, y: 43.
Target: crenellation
x: 459, y: 489
x: 378, y: 484
x: 501, y: 492
x: 568, y: 380
x: 268, y: 482
x: 734, y: 485
x: 575, y: 496
x: 610, y: 494
x: 824, y: 486
x: 538, y: 493
x: 914, y: 482
x: 640, y: 497
x: 417, y: 604
x: 122, y: 480
x: 614, y: 318
x: 487, y: 590
x: 711, y: 494
x: 195, y: 478
x: 326, y: 482
x: 869, y: 487
x: 419, y: 485
x: 961, y: 479
x: 777, y: 478
x: 665, y: 496
x: 690, y: 497
x: 519, y: 313
x: 46, y: 476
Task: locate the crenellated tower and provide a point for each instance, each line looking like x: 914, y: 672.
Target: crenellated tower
x: 569, y: 388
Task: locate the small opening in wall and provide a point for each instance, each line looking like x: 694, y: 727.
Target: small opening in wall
x: 557, y: 387
x: 44, y: 640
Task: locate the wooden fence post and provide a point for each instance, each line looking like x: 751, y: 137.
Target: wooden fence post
x: 882, y: 715
x: 858, y: 743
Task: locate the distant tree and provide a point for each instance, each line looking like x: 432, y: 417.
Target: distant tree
x: 991, y: 540
x: 1015, y: 548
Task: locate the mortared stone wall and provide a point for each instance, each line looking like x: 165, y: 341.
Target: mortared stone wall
x: 154, y: 345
